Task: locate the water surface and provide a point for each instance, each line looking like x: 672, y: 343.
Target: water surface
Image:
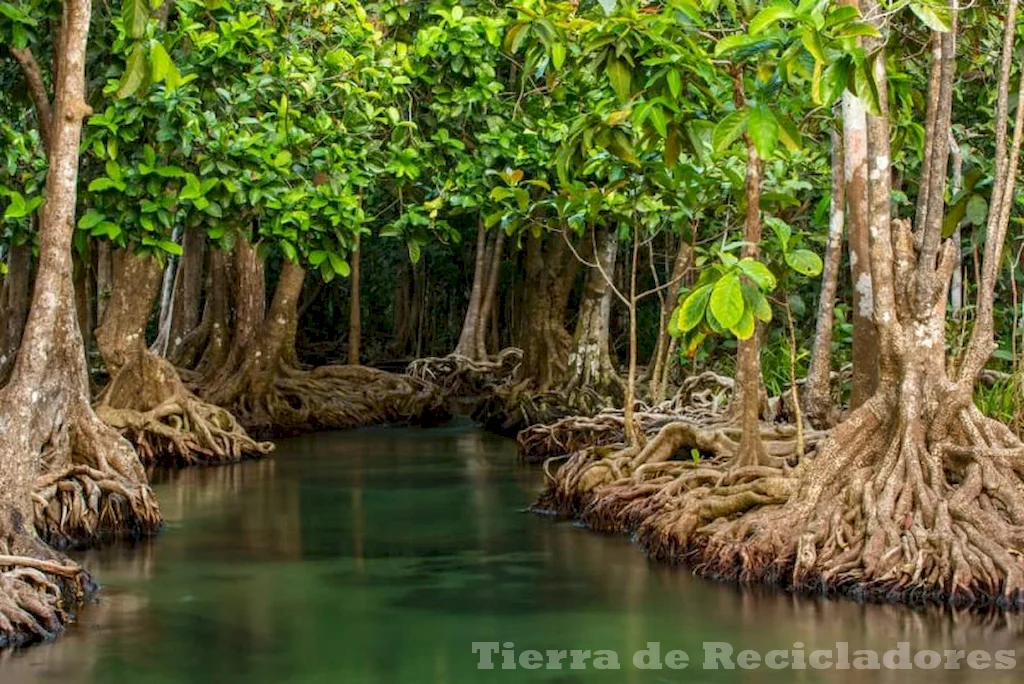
x: 381, y: 555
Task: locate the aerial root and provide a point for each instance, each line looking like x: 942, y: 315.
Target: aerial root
x: 879, y: 513
x: 81, y: 505
x: 35, y: 595
x: 337, y: 398
x: 184, y: 431
x: 461, y: 376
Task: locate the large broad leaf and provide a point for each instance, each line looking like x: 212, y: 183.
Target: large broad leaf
x: 620, y: 76
x: 771, y: 15
x: 692, y: 310
x: 134, y: 14
x: 935, y: 17
x: 759, y: 273
x: 805, y: 262
x: 134, y: 73
x: 729, y: 130
x: 744, y: 328
x: 727, y: 300
x: 763, y: 130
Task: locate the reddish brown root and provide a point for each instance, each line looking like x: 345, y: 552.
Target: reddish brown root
x: 37, y: 595
x: 882, y: 512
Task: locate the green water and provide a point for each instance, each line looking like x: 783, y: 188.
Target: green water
x: 382, y: 555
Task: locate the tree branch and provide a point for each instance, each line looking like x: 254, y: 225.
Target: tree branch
x: 37, y: 90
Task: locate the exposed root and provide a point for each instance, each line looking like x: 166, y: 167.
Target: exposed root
x: 37, y: 595
x: 461, y: 376
x: 885, y: 510
x: 169, y: 425
x: 92, y: 489
x: 713, y: 438
x: 337, y: 398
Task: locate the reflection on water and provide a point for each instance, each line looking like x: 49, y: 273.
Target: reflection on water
x: 381, y: 555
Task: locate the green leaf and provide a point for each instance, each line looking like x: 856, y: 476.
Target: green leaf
x: 771, y: 15
x: 729, y: 129
x: 134, y: 14
x: 170, y: 247
x: 515, y: 37
x: 90, y: 219
x: 192, y: 190
x: 675, y: 83
x: 160, y: 63
x: 558, y: 55
x: 758, y: 303
x: 693, y: 308
x: 789, y: 134
x: 977, y: 210
x: 414, y: 252
x: 134, y: 73
x: 317, y: 257
x: 289, y: 251
x: 812, y: 41
x: 733, y: 42
x: 339, y: 265
x: 727, y: 300
x: 805, y: 262
x: 744, y: 328
x: 620, y: 76
x: 759, y: 273
x: 764, y: 130
x: 936, y: 18
x: 283, y: 158
x: 18, y: 208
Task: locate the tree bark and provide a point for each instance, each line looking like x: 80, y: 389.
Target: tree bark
x: 859, y: 217
x: 590, y: 362
x: 271, y: 395
x: 354, y: 316
x: 497, y: 253
x: 817, y: 398
x: 551, y: 271
x: 15, y: 297
x: 186, y: 297
x: 662, y: 365
x: 468, y: 337
x: 52, y: 444
x: 747, y: 396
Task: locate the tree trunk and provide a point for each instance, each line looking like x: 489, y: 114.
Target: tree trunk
x: 186, y: 298
x: 354, y: 317
x: 52, y: 445
x: 104, y: 276
x: 748, y: 392
x: 590, y: 363
x: 817, y: 397
x: 663, y: 352
x: 497, y: 254
x: 146, y: 401
x: 551, y: 271
x: 15, y: 297
x: 271, y: 395
x: 206, y: 348
x: 468, y: 337
x: 865, y: 338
